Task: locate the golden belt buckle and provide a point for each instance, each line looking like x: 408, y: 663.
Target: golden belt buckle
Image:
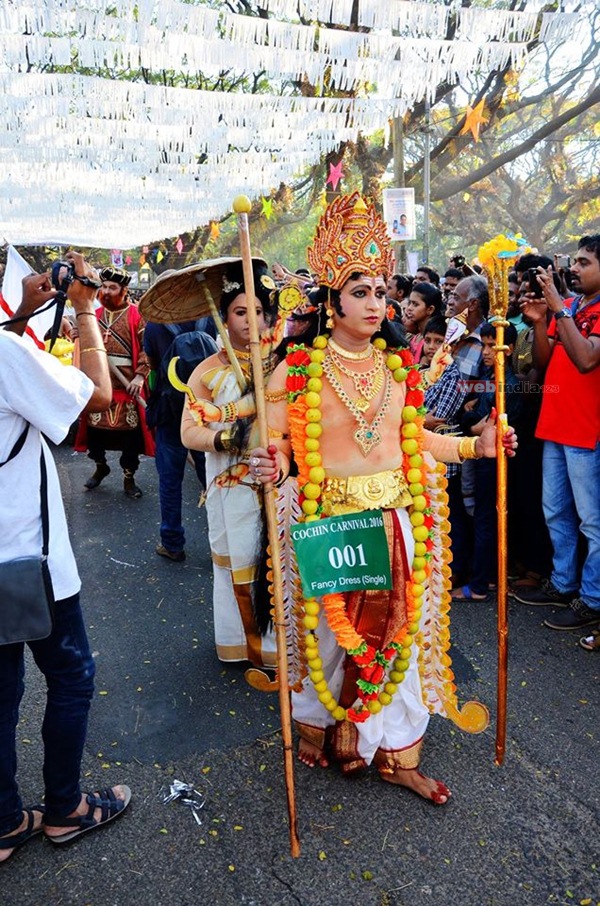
x: 369, y: 490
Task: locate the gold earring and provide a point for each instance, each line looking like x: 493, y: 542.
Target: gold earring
x: 329, y: 323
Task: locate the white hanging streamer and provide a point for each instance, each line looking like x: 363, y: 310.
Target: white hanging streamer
x: 123, y: 162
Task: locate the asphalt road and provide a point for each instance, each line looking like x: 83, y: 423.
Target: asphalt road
x: 165, y: 708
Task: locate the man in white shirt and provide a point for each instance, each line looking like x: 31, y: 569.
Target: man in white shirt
x: 39, y: 395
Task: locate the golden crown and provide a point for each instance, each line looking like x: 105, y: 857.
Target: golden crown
x: 351, y: 238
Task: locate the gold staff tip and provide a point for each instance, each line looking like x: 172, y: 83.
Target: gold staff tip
x: 242, y: 204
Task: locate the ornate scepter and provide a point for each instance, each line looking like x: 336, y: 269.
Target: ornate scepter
x: 241, y: 206
x: 496, y: 257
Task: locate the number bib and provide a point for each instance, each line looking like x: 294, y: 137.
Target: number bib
x: 342, y: 553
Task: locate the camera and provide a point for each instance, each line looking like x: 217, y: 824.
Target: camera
x: 563, y: 261
x: 62, y: 275
x: 534, y: 286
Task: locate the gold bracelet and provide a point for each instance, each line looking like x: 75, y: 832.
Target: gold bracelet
x: 466, y: 449
x: 93, y: 349
x: 275, y: 396
x: 90, y: 314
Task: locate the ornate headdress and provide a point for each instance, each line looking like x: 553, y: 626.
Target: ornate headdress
x: 351, y: 238
x: 115, y: 275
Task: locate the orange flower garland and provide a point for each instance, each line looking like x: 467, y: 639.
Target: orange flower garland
x: 304, y: 385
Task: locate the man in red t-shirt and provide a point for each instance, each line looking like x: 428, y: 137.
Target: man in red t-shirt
x: 569, y: 424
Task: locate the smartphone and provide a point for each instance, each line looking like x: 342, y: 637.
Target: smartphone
x: 534, y: 286
x: 563, y: 261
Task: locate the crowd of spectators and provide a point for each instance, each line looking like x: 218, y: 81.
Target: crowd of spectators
x: 552, y: 389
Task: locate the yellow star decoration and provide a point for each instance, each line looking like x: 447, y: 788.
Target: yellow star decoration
x: 511, y: 80
x: 267, y: 207
x: 215, y: 230
x: 474, y: 119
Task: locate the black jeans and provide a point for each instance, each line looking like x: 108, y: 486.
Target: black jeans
x: 68, y: 666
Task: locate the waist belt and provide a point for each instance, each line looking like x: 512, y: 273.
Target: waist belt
x: 120, y: 360
x: 383, y: 490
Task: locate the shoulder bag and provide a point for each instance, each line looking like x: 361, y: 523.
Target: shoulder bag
x: 26, y: 594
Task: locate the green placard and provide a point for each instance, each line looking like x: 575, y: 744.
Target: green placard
x: 342, y: 553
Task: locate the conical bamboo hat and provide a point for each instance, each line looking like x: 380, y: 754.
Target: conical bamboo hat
x: 181, y: 295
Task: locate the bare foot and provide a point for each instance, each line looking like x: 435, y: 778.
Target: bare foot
x: 434, y: 790
x: 35, y: 828
x: 82, y: 809
x: 311, y: 755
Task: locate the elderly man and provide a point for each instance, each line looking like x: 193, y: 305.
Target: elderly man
x: 467, y: 307
x: 122, y: 426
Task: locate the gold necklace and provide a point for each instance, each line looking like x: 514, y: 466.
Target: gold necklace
x: 366, y: 383
x: 361, y: 356
x: 366, y: 435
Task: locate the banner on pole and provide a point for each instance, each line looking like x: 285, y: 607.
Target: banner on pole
x: 399, y: 213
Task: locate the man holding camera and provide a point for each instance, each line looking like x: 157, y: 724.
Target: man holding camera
x: 569, y: 424
x: 39, y: 395
x: 122, y: 426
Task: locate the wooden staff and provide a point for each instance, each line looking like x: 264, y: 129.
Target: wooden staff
x: 239, y: 374
x: 121, y: 377
x: 499, y: 303
x: 241, y: 207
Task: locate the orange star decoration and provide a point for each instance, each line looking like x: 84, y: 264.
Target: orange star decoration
x: 474, y: 119
x: 215, y: 230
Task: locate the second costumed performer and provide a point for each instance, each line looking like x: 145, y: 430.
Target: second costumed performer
x: 351, y: 403
x: 219, y: 423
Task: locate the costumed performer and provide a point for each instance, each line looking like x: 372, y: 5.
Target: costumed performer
x: 122, y: 426
x: 352, y: 407
x: 219, y: 423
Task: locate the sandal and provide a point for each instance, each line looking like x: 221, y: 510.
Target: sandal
x: 465, y: 594
x: 105, y: 800
x: 591, y: 642
x: 16, y: 840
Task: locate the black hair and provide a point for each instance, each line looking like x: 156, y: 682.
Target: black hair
x: 488, y: 329
x: 431, y: 295
x: 404, y: 283
x: 591, y: 244
x: 436, y: 324
x: 454, y: 272
x: 431, y: 273
x: 266, y: 295
x: 531, y: 261
x: 303, y: 272
x: 513, y: 277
